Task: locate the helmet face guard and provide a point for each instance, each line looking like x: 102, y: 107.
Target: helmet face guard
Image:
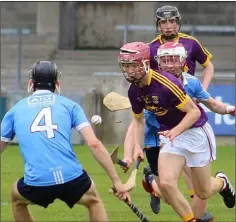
x: 171, y: 57
x: 134, y: 59
x: 133, y: 71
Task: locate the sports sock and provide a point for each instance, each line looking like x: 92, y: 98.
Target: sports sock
x: 191, y: 193
x: 189, y: 218
x: 222, y: 183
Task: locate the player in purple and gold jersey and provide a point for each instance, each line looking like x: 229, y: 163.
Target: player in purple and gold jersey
x: 181, y: 122
x: 168, y: 24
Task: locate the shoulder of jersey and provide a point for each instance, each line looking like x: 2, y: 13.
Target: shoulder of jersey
x: 191, y: 79
x: 155, y: 39
x: 159, y: 76
x: 188, y: 76
x: 67, y: 99
x: 185, y: 36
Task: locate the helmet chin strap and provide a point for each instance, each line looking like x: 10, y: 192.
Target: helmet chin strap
x: 146, y: 69
x: 178, y: 74
x: 135, y: 80
x: 170, y: 37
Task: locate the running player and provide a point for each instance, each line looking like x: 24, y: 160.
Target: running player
x: 168, y: 24
x: 162, y: 94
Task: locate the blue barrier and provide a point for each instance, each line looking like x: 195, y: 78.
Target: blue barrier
x: 3, y: 102
x: 223, y: 125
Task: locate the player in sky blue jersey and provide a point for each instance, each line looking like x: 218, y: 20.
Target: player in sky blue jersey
x: 42, y: 124
x: 188, y: 147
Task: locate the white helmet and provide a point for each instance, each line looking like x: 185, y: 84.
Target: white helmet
x: 171, y: 49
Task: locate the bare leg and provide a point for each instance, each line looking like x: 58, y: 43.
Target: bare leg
x: 20, y: 206
x: 188, y: 182
x: 170, y: 167
x: 198, y: 205
x: 93, y: 202
x: 204, y: 184
x: 156, y: 188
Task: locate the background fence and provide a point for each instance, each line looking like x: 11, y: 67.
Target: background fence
x: 90, y: 34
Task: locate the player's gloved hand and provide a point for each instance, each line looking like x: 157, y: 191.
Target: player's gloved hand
x: 128, y: 161
x: 138, y: 152
x: 121, y: 191
x: 195, y: 100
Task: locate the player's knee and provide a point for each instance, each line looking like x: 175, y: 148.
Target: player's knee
x: 168, y: 185
x: 14, y: 196
x: 15, y: 200
x: 203, y: 194
x: 91, y: 198
x: 94, y: 200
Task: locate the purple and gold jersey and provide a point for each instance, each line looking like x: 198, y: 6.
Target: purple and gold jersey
x: 163, y: 96
x: 196, y: 52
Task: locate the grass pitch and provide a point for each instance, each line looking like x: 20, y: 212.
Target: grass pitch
x: 12, y: 169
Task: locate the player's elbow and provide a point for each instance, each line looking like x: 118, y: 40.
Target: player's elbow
x: 196, y: 113
x: 94, y: 143
x: 209, y: 68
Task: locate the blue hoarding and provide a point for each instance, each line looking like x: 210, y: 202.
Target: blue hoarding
x: 223, y: 125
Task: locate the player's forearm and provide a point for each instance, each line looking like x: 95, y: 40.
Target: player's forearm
x: 190, y: 118
x: 129, y: 142
x: 138, y: 125
x: 207, y: 75
x: 217, y: 106
x: 103, y: 158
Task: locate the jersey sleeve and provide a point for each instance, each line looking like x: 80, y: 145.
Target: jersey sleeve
x: 200, y: 93
x: 201, y: 54
x: 137, y: 106
x: 7, y: 126
x: 79, y: 119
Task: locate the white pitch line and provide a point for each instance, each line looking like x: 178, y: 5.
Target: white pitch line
x: 4, y: 203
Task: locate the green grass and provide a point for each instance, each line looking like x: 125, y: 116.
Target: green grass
x: 12, y: 169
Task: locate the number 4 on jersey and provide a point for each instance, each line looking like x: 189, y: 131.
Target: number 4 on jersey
x: 46, y: 114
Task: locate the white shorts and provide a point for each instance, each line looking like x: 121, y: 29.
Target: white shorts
x: 197, y: 145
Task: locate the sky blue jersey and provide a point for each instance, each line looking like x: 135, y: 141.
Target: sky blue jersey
x: 193, y: 88
x: 42, y: 124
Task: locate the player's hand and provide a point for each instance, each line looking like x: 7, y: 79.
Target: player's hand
x: 128, y: 161
x: 138, y: 152
x: 233, y: 113
x: 195, y: 100
x: 171, y: 134
x: 121, y: 191
x: 231, y: 110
